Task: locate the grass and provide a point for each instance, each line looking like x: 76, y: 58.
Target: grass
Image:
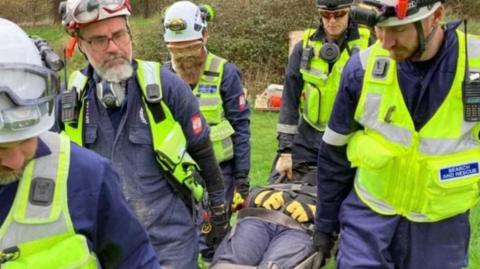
x: 264, y: 145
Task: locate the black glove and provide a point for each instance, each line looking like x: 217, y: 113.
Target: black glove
x: 219, y: 221
x: 323, y: 243
x: 242, y: 184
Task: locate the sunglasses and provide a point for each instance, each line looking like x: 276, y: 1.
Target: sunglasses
x: 333, y: 14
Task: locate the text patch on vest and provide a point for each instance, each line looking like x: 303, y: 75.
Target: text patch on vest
x: 207, y: 88
x: 459, y: 171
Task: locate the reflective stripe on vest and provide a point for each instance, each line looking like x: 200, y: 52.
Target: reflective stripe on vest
x: 168, y: 139
x: 424, y: 176
x: 39, y: 222
x: 211, y: 106
x: 321, y: 86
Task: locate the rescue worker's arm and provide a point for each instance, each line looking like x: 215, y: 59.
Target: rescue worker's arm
x: 203, y: 154
x: 186, y: 111
x: 237, y: 113
x: 335, y: 175
x: 100, y: 212
x: 289, y: 111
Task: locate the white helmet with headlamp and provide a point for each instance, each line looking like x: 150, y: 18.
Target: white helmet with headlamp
x: 184, y: 21
x: 400, y: 12
x: 77, y: 12
x: 388, y: 13
x: 27, y: 87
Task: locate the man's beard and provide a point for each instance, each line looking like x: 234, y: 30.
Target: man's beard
x: 117, y: 73
x: 9, y: 176
x: 189, y: 68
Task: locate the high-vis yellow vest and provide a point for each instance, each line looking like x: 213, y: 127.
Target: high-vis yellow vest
x: 321, y: 86
x: 211, y: 106
x: 425, y: 176
x: 169, y: 142
x: 38, y: 231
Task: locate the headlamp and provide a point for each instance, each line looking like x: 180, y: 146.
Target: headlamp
x: 372, y: 12
x: 176, y: 24
x: 19, y: 118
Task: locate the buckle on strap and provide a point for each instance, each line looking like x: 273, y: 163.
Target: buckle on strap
x: 153, y: 94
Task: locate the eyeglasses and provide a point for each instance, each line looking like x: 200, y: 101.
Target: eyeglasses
x: 328, y: 15
x: 100, y: 43
x: 85, y: 11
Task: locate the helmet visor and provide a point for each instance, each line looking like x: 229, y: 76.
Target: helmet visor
x: 89, y: 11
x: 28, y: 85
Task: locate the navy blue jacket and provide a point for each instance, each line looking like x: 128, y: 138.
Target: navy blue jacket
x: 424, y: 86
x: 98, y: 211
x: 237, y: 113
x: 306, y: 137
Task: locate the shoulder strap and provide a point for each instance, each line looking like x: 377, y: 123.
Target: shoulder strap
x: 169, y: 141
x: 213, y: 71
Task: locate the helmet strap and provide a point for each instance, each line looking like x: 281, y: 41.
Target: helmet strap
x: 422, y: 40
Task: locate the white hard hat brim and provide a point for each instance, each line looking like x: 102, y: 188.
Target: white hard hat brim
x: 421, y: 14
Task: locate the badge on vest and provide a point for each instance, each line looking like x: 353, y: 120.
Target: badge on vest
x: 207, y: 88
x: 459, y: 171
x: 41, y: 192
x: 380, y: 68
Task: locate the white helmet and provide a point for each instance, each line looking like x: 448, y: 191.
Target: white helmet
x: 398, y: 12
x: 27, y: 87
x: 184, y: 21
x: 77, y: 12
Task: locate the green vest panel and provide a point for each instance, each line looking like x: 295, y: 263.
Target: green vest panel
x: 321, y: 86
x: 425, y: 176
x: 38, y: 231
x: 169, y: 142
x: 211, y: 106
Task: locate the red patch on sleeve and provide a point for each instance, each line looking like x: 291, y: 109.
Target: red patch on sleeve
x: 197, y: 124
x: 242, y: 103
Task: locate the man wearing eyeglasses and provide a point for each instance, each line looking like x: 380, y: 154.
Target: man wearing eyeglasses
x: 146, y: 121
x: 311, y: 82
x: 61, y: 205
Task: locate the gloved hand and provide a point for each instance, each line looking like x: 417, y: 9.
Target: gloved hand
x: 242, y: 184
x: 270, y: 199
x: 219, y: 221
x: 301, y: 212
x: 242, y: 188
x: 323, y: 243
x: 238, y: 202
x: 284, y: 165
